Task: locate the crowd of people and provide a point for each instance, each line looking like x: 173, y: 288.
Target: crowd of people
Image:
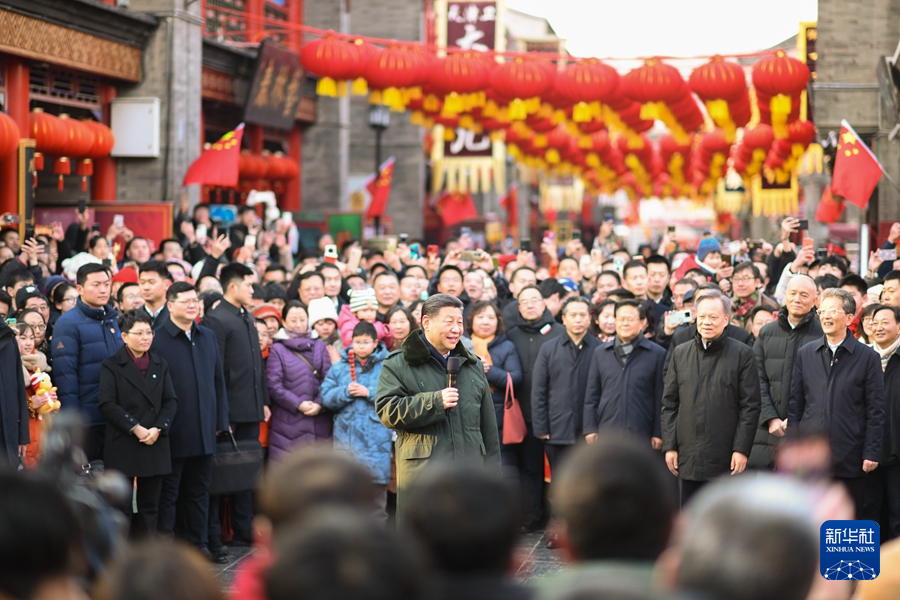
x: 597, y: 389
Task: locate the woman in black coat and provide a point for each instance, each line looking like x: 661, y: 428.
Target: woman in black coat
x: 486, y: 332
x: 138, y: 400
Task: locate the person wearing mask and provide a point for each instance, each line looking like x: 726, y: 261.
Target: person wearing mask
x: 838, y: 389
x: 501, y: 365
x: 154, y: 279
x: 435, y: 422
x: 83, y: 338
x: 192, y: 352
x: 776, y: 351
x: 710, y: 406
x: 558, y: 382
x: 882, y: 495
x: 245, y: 386
x: 535, y: 327
x: 625, y: 382
x: 296, y: 367
x: 137, y: 398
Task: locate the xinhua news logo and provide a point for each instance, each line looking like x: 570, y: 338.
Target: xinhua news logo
x: 850, y: 550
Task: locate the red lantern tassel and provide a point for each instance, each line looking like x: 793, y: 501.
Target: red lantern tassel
x: 38, y: 161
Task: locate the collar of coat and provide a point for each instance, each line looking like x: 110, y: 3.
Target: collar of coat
x: 636, y: 343
x: 784, y: 322
x: 714, y: 345
x: 100, y: 314
x: 130, y: 372
x: 174, y: 330
x: 850, y: 343
x: 416, y: 353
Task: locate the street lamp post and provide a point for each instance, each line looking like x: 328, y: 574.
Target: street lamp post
x: 379, y: 120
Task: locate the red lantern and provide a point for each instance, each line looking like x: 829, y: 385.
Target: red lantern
x: 103, y: 139
x: 719, y: 80
x: 457, y: 75
x: 522, y: 80
x: 760, y: 136
x: 79, y: 139
x: 779, y: 79
x: 715, y: 142
x: 365, y: 52
x: 390, y: 70
x: 655, y: 81
x: 9, y: 135
x: 332, y: 60
x: 587, y: 83
x: 61, y: 166
x: 802, y: 132
x: 46, y: 130
x: 251, y: 166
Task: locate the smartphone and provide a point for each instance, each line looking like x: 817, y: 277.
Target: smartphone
x: 549, y: 237
x: 404, y: 237
x: 596, y: 255
x: 887, y: 254
x: 95, y: 227
x: 576, y: 234
x: 331, y: 253
x: 250, y: 241
x: 414, y: 252
x: 804, y: 224
x: 390, y: 244
x: 82, y: 205
x: 752, y: 246
x: 29, y: 235
x: 808, y: 243
x: 11, y: 219
x: 682, y: 316
x: 201, y: 233
x: 727, y: 259
x: 639, y: 257
x: 119, y: 220
x: 465, y: 231
x: 11, y: 321
x: 432, y: 250
x: 670, y: 230
x: 525, y: 245
x: 822, y: 253
x: 618, y: 263
x: 486, y: 283
x: 471, y: 255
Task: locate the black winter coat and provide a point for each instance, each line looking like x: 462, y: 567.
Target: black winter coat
x: 891, y: 429
x: 776, y: 350
x: 710, y: 406
x: 627, y: 398
x: 846, y: 403
x: 245, y: 374
x: 199, y: 381
x: 13, y: 403
x: 528, y: 339
x: 505, y: 360
x: 557, y: 388
x: 128, y: 399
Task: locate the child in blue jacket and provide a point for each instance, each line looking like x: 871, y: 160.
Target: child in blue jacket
x: 357, y: 427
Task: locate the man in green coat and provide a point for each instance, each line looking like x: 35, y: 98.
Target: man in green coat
x: 434, y: 422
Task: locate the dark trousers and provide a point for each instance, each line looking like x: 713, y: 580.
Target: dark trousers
x: 555, y: 455
x: 241, y: 504
x: 856, y: 487
x: 881, y: 500
x: 530, y: 460
x: 143, y: 522
x: 94, y: 438
x: 185, y: 493
x: 689, y: 488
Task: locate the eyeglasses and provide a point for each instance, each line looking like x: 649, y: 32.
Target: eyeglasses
x: 69, y: 299
x: 744, y: 279
x: 189, y: 302
x: 39, y: 327
x: 132, y: 297
x: 143, y: 334
x: 832, y: 312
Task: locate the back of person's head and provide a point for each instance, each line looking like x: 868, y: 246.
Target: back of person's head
x: 615, y: 499
x: 39, y: 535
x: 828, y: 281
x: 342, y: 555
x: 159, y: 569
x: 551, y: 286
x: 749, y: 538
x: 466, y: 518
x: 312, y: 478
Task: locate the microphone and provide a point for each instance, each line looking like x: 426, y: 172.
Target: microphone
x: 452, y: 370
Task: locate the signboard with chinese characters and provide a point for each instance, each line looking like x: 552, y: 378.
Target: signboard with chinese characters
x: 275, y: 91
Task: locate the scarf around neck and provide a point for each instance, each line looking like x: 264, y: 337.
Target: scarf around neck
x: 480, y: 344
x: 886, y: 353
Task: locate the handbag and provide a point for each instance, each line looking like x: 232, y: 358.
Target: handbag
x: 236, y: 466
x: 309, y: 364
x: 514, y: 428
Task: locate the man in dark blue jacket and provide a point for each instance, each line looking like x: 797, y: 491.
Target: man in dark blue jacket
x: 196, y: 368
x: 625, y: 383
x: 838, y: 391
x: 82, y: 339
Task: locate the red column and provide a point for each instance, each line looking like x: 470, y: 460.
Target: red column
x: 295, y: 17
x: 17, y: 107
x: 103, y: 183
x: 254, y: 135
x: 255, y: 10
x: 291, y: 198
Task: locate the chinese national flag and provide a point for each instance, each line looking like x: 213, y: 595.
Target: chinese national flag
x: 856, y: 170
x: 510, y: 204
x: 218, y: 165
x: 380, y: 189
x: 455, y: 207
x: 830, y: 208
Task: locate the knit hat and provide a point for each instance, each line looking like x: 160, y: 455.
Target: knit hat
x: 567, y: 283
x: 274, y: 291
x: 126, y: 275
x: 51, y: 282
x: 706, y: 246
x: 360, y: 299
x: 24, y: 293
x: 321, y: 309
x: 267, y: 310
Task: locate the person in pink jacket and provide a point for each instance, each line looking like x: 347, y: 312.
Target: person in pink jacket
x: 362, y: 307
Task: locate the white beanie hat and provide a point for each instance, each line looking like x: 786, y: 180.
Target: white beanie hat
x: 321, y: 309
x: 360, y: 299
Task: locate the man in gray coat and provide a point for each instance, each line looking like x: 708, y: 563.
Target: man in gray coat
x: 710, y: 401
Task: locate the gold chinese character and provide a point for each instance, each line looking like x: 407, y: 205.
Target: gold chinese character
x: 278, y: 86
x: 262, y: 96
x: 292, y: 94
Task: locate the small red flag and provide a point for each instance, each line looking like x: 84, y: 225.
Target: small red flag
x: 856, y: 170
x: 455, y: 207
x: 380, y: 189
x: 510, y: 203
x: 218, y: 165
x: 830, y: 208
